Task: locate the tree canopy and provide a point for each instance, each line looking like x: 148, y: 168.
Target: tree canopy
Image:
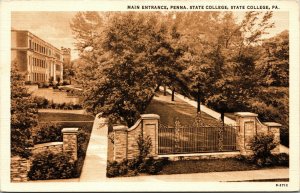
x: 128, y: 55
x: 129, y: 58
x: 23, y: 114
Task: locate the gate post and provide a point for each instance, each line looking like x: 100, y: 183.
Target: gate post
x: 274, y: 128
x: 150, y: 128
x: 70, y: 142
x: 247, y: 130
x: 120, y: 142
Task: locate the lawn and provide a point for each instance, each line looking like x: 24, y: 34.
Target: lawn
x: 56, y: 96
x: 74, y: 120
x: 209, y: 165
x: 47, y: 116
x: 169, y: 111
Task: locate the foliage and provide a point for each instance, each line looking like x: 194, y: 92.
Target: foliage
x: 47, y: 165
x: 133, y: 167
x: 281, y: 159
x: 23, y: 114
x: 83, y: 138
x: 126, y: 56
x: 142, y: 163
x: 132, y: 54
x: 144, y: 146
x: 261, y: 145
x: 273, y: 65
x: 69, y: 73
x: 47, y: 132
x: 43, y: 103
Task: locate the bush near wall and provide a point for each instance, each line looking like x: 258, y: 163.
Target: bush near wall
x: 43, y: 103
x: 83, y: 141
x: 142, y: 163
x: 51, y: 132
x: 47, y: 132
x: 135, y: 166
x: 47, y: 165
x: 262, y: 145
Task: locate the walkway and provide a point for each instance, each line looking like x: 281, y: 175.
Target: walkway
x: 94, y: 167
x: 169, y: 111
x: 203, y: 108
x: 264, y: 174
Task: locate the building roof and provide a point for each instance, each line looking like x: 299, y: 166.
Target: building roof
x: 40, y: 39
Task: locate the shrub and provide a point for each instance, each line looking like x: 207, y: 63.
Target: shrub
x: 112, y: 169
x: 142, y: 163
x: 47, y: 132
x: 82, y: 142
x: 28, y: 82
x: 111, y: 137
x: 144, y: 146
x: 284, y: 136
x: 55, y: 86
x: 40, y: 85
x: 65, y: 82
x: 46, y: 85
x: 134, y: 166
x: 261, y: 145
x: 282, y: 159
x: 47, y: 165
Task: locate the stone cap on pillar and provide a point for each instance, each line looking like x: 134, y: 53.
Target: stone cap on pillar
x: 120, y: 128
x: 272, y: 124
x: 245, y: 114
x: 69, y: 130
x: 150, y: 116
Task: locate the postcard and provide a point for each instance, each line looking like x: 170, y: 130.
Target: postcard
x: 149, y: 96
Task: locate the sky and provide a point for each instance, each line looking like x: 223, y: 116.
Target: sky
x: 54, y: 27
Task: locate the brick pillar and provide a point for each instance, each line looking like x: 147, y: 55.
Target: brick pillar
x: 150, y: 128
x: 120, y: 142
x: 274, y: 128
x: 247, y: 130
x: 70, y: 142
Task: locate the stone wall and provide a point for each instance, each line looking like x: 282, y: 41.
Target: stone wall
x: 54, y: 147
x: 21, y: 166
x: 70, y: 142
x: 249, y: 126
x: 125, y: 139
x: 125, y: 142
x: 19, y: 169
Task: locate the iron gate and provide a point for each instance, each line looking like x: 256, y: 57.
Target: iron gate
x: 196, y: 138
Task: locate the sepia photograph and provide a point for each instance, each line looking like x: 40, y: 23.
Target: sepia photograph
x: 151, y: 94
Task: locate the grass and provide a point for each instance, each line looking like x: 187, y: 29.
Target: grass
x: 204, y: 166
x: 49, y: 116
x: 56, y: 96
x: 73, y: 120
x: 170, y: 110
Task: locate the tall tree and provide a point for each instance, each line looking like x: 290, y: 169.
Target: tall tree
x: 131, y: 55
x: 23, y: 114
x: 273, y: 65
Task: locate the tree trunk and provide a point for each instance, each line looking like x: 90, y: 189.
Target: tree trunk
x: 198, y: 101
x: 222, y: 117
x: 173, y: 93
x: 165, y: 90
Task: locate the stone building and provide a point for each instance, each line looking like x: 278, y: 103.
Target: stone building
x: 39, y: 59
x: 66, y: 52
